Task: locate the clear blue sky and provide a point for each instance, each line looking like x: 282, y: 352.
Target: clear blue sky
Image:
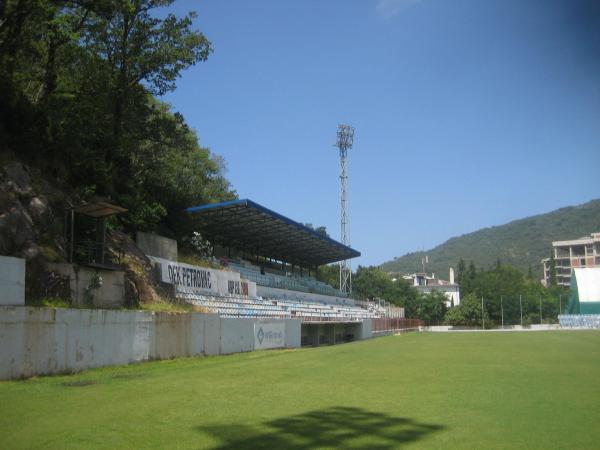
x: 468, y: 113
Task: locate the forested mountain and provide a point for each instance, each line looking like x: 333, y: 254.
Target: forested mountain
x: 522, y: 243
x: 80, y: 87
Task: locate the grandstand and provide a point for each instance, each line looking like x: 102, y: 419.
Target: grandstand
x: 269, y: 271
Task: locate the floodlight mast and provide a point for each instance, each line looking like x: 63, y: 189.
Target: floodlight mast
x: 345, y: 139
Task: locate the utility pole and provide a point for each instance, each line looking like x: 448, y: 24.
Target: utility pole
x: 521, y: 308
x: 540, y: 309
x: 482, y: 316
x: 345, y: 139
x: 502, y: 312
x: 560, y: 304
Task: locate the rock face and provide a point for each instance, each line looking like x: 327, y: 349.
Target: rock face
x: 25, y: 213
x: 140, y: 284
x: 31, y: 227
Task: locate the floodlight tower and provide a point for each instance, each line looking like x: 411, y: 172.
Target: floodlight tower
x: 345, y: 138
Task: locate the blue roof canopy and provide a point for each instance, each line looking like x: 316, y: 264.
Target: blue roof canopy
x: 246, y: 225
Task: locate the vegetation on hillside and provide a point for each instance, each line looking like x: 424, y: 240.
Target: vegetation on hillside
x: 79, y: 82
x: 522, y: 243
x: 371, y: 283
x: 505, y: 290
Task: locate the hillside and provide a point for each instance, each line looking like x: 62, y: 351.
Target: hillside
x: 522, y: 243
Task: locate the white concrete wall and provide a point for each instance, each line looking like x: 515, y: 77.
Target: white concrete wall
x: 38, y: 341
x: 12, y: 281
x: 367, y: 329
x: 155, y: 245
x: 110, y: 295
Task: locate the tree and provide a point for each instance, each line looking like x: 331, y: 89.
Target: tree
x: 329, y: 274
x: 552, y: 269
x: 143, y: 55
x: 322, y: 230
x: 506, y: 289
x: 467, y: 278
x: 468, y: 313
x: 371, y: 282
x: 431, y: 308
x: 461, y: 269
x: 77, y: 86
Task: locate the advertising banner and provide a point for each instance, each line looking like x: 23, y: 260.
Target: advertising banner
x: 202, y: 280
x: 186, y: 277
x: 269, y: 335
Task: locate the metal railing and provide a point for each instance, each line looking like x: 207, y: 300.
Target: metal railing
x: 390, y: 324
x: 94, y: 253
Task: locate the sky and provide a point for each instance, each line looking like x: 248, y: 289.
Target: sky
x: 467, y: 113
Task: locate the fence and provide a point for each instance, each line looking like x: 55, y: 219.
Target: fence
x: 390, y: 324
x: 523, y: 310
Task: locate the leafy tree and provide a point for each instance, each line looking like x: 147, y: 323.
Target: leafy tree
x: 371, y: 283
x: 77, y: 87
x: 329, y: 274
x: 552, y: 269
x: 507, y: 291
x: 468, y: 278
x: 142, y: 55
x: 468, y: 313
x: 461, y: 269
x: 430, y: 308
x: 322, y: 230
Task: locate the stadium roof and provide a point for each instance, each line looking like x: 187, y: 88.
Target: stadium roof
x: 244, y: 224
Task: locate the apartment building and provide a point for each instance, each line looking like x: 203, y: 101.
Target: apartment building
x: 568, y: 255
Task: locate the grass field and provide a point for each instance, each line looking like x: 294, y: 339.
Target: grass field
x: 427, y: 390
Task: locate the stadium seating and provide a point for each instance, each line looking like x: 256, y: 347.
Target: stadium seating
x: 257, y: 307
x: 292, y: 282
x: 579, y: 321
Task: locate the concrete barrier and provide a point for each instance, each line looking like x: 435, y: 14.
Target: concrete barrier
x: 12, y: 281
x: 41, y: 341
x: 155, y: 245
x: 110, y: 294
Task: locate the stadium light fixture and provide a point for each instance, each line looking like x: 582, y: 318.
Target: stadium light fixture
x: 344, y: 141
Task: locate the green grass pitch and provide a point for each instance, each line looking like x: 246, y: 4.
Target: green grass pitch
x: 445, y: 390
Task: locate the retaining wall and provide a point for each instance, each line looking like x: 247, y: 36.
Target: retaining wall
x: 12, y: 281
x: 155, y: 245
x: 111, y: 294
x: 40, y: 341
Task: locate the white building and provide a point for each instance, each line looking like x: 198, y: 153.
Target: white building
x: 427, y: 284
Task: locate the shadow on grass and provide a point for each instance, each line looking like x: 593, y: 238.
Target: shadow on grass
x: 336, y: 428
